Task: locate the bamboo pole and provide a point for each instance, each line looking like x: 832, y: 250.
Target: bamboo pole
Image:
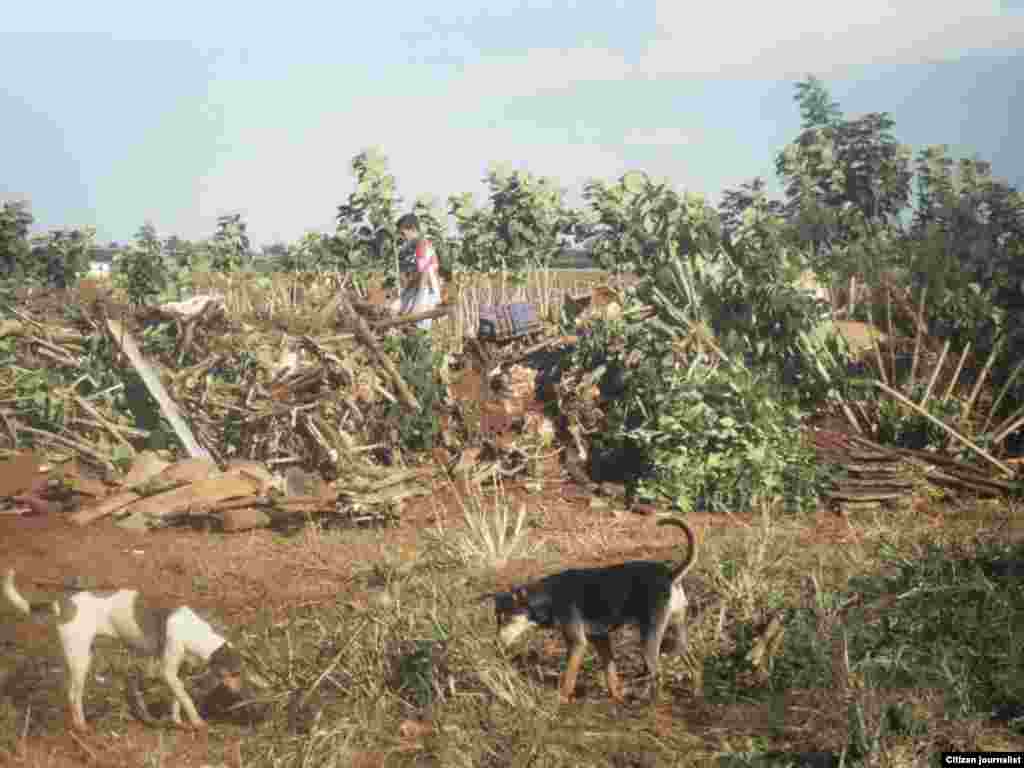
x: 945, y: 427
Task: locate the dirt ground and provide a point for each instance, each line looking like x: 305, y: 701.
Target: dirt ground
x: 231, y: 578
x: 236, y: 580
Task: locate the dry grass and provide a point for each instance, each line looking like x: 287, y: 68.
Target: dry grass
x: 491, y: 534
x: 546, y: 288
x: 399, y: 664
x: 274, y: 298
x: 402, y: 665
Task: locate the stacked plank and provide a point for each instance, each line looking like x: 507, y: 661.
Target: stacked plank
x: 872, y: 476
x: 869, y: 476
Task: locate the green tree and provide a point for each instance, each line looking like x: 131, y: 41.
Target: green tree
x: 229, y: 250
x: 179, y: 251
x: 476, y: 238
x: 365, y: 235
x: 64, y: 252
x: 966, y: 244
x: 311, y: 253
x: 143, y: 266
x: 847, y: 182
x: 15, y: 246
x: 525, y: 223
x: 976, y: 220
x: 279, y: 256
x: 756, y: 298
x: 751, y: 195
x: 640, y: 225
x: 528, y: 216
x: 816, y: 106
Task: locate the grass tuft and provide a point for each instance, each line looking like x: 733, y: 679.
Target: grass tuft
x: 491, y: 535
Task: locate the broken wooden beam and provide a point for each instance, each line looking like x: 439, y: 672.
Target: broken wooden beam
x: 413, y: 317
x: 538, y: 347
x: 108, y: 506
x: 166, y: 477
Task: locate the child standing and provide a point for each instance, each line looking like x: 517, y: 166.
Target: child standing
x: 418, y: 268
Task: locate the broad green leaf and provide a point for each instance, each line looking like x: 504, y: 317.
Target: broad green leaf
x: 634, y: 182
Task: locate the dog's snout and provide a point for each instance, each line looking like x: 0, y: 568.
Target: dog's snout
x: 232, y: 681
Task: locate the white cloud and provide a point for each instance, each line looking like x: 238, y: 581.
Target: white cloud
x: 779, y: 40
x: 288, y: 182
x: 783, y: 39
x: 541, y: 70
x: 662, y: 137
x: 286, y: 185
x: 792, y: 37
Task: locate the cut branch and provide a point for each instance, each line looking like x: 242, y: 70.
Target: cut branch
x: 414, y: 317
x: 945, y: 427
x: 365, y: 337
x: 152, y: 381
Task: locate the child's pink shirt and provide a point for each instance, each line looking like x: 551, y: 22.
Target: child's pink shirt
x: 426, y: 259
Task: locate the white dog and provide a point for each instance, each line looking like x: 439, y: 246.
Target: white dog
x: 165, y: 635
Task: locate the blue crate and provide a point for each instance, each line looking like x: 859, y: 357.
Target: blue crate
x: 500, y: 321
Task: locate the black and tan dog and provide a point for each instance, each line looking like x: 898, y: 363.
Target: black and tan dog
x: 589, y: 603
x: 167, y: 636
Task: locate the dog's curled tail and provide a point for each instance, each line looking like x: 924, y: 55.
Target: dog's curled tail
x: 20, y: 604
x: 691, y: 546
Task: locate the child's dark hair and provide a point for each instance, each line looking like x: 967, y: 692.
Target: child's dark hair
x: 409, y: 221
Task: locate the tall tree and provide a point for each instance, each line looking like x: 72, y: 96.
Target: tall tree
x: 230, y: 246
x: 969, y: 227
x: 365, y: 233
x: 847, y: 181
x: 816, y: 106
x: 179, y: 251
x: 143, y: 266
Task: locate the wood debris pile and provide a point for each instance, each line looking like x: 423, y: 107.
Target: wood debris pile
x: 868, y: 477
x: 871, y: 476
x: 89, y: 390
x: 243, y: 495
x: 87, y: 386
x: 504, y: 438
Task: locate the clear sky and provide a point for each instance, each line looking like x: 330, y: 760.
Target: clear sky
x: 113, y: 113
